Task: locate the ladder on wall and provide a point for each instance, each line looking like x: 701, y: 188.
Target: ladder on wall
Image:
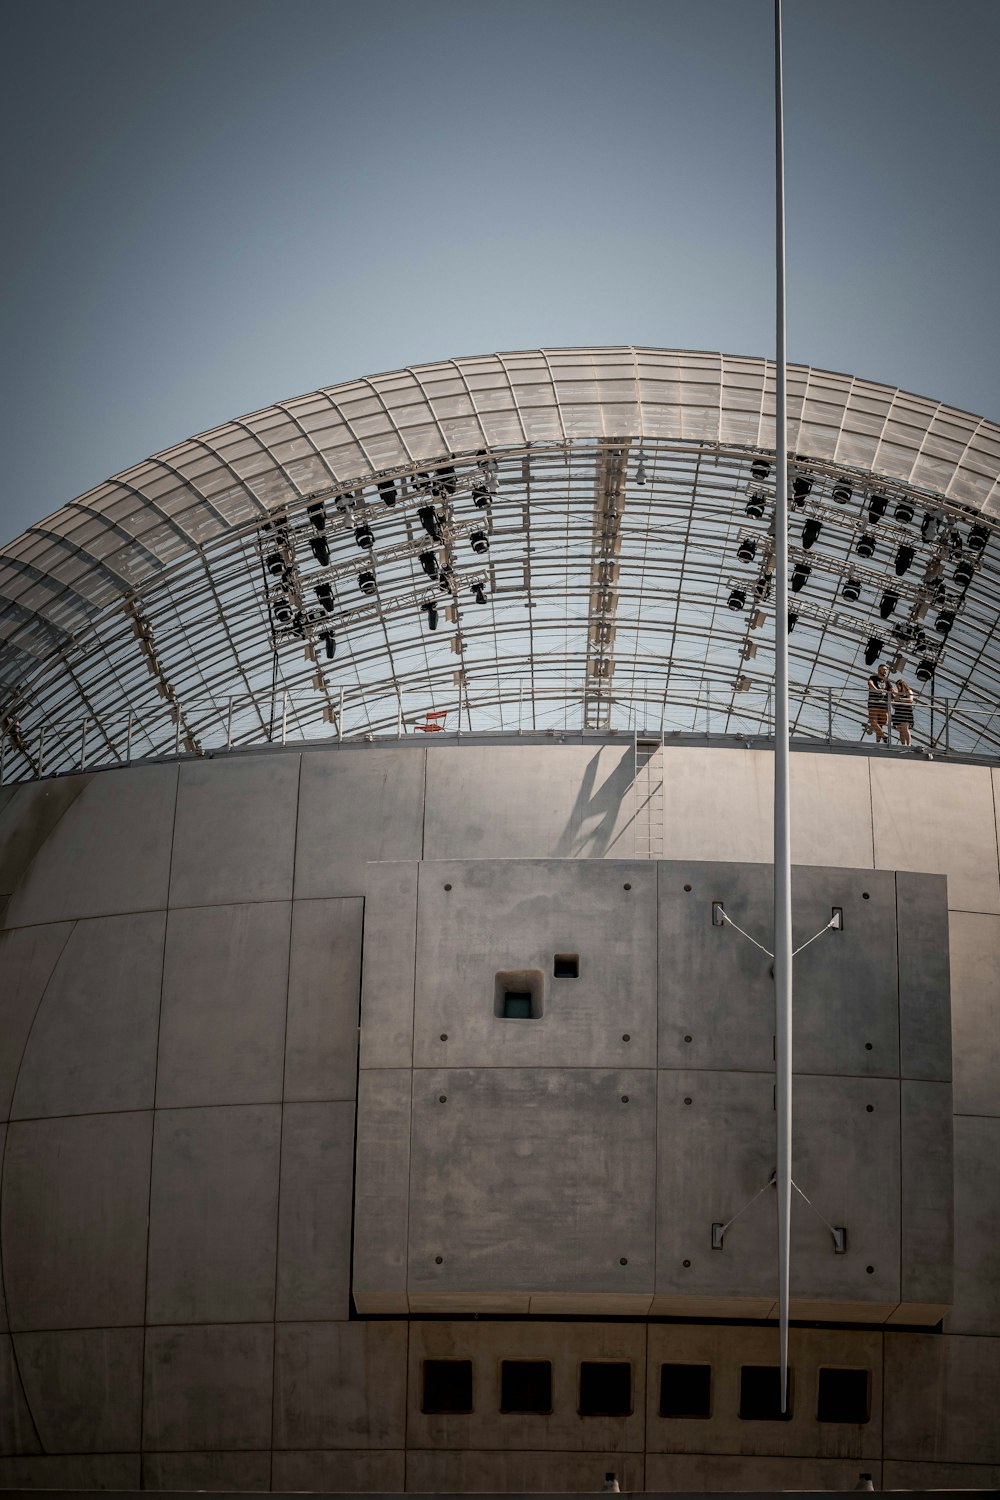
x: 647, y: 791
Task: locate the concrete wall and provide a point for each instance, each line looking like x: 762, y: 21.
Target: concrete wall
x: 180, y: 953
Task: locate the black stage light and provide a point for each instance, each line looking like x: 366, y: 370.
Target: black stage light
x: 478, y: 593
x: 800, y: 577
x: 887, y: 603
x: 810, y: 532
x: 760, y: 469
x: 852, y: 589
x: 762, y: 588
x: 429, y: 563
x: 925, y: 669
x: 878, y: 505
x: 387, y: 492
x: 317, y: 515
x: 320, y: 549
x: 755, y: 505
x: 747, y: 550
x: 329, y: 643
x: 480, y: 541
x: 873, y: 650
x: 366, y: 582
x: 364, y: 536
x: 431, y: 611
x: 430, y: 521
x: 792, y: 620
x: 273, y: 563
x: 737, y: 599
x: 445, y: 482
x: 955, y: 543
x: 841, y: 492
x: 801, y: 487
x: 929, y: 525
x: 945, y: 621
x: 866, y: 546
x: 422, y: 482
x: 978, y: 537
x: 963, y: 573
x: 444, y: 580
x: 480, y: 496
x: 324, y: 593
x: 903, y: 512
x: 282, y: 613
x: 904, y: 558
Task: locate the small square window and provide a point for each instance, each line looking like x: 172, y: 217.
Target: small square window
x: 760, y: 1394
x: 685, y: 1390
x: 844, y: 1396
x: 605, y: 1389
x: 566, y: 966
x: 518, y: 994
x: 526, y: 1385
x: 447, y: 1386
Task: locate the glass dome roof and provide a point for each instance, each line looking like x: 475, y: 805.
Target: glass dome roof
x: 569, y: 539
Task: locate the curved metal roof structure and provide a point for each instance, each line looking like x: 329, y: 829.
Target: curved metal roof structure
x: 568, y: 538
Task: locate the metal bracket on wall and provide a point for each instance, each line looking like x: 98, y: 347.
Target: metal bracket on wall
x: 839, y: 1232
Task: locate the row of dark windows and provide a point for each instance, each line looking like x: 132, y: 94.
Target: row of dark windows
x: 605, y: 1390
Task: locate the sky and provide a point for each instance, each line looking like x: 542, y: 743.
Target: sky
x: 212, y: 205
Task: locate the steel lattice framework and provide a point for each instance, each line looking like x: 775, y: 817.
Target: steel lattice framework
x: 570, y: 521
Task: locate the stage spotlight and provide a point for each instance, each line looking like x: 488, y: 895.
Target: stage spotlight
x: 324, y: 593
x: 273, y: 563
x: 760, y: 469
x: 873, y: 650
x: 887, y: 603
x: 903, y: 512
x: 762, y: 588
x: 801, y: 487
x: 364, y: 536
x: 866, y: 546
x: 978, y: 537
x: 878, y: 505
x: 925, y: 669
x: 430, y: 521
x: 737, y: 599
x: 841, y: 492
x: 480, y: 541
x: 792, y: 620
x: 445, y: 580
x: 478, y: 593
x: 317, y: 515
x: 747, y: 550
x: 429, y: 563
x: 421, y: 482
x: 640, y: 473
x: 963, y: 573
x: 955, y: 543
x: 282, y: 612
x: 929, y: 525
x: 904, y: 558
x: 320, y: 548
x: 366, y: 582
x: 387, y: 492
x: 755, y: 505
x: 810, y: 532
x: 945, y: 621
x: 329, y: 644
x: 480, y: 496
x: 800, y: 577
x: 445, y: 482
x: 431, y: 611
x: 852, y: 589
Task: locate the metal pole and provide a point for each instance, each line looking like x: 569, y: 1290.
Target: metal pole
x: 284, y: 716
x: 229, y: 724
x: 782, y: 812
x: 83, y: 744
x: 128, y: 739
x: 340, y: 716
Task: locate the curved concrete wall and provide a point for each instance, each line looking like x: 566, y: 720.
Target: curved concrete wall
x: 180, y: 955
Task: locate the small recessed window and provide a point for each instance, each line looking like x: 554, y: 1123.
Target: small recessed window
x: 526, y: 1385
x: 566, y: 966
x: 517, y: 994
x: 844, y: 1396
x: 605, y: 1389
x: 447, y: 1386
x: 685, y: 1390
x: 760, y: 1394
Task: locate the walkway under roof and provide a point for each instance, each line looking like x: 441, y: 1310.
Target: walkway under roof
x: 557, y: 539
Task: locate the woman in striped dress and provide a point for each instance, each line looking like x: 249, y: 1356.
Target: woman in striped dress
x: 878, y: 703
x: 902, y: 711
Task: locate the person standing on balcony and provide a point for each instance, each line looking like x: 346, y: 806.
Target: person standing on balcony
x: 878, y: 703
x: 902, y: 711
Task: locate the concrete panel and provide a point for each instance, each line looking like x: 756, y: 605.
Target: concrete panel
x: 477, y: 918
x: 28, y: 814
x: 93, y: 1044
x: 944, y: 824
x: 340, y: 1385
x: 565, y: 1345
x: 17, y: 1430
x: 922, y: 940
x: 356, y: 805
x: 548, y: 1188
x: 897, y: 1475
x: 222, y: 1024
x: 926, y: 1201
x: 390, y: 953
x: 314, y: 1226
x: 382, y: 1191
x: 529, y: 802
x: 941, y: 1398
x: 517, y: 1473
x: 234, y: 838
x: 716, y: 986
x: 75, y: 1196
x: 726, y: 1350
x: 975, y: 1012
x: 83, y: 1388
x: 715, y: 1153
x: 27, y: 959
x: 208, y: 1388
x: 324, y: 980
x: 977, y: 1227
x: 668, y: 1473
x: 213, y: 1216
x: 342, y: 1471
x: 232, y: 1472
x: 108, y: 853
x: 83, y: 1471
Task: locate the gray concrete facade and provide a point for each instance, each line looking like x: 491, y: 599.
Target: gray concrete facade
x: 181, y: 956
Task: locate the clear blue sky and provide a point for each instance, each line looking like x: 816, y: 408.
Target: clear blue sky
x: 214, y: 204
